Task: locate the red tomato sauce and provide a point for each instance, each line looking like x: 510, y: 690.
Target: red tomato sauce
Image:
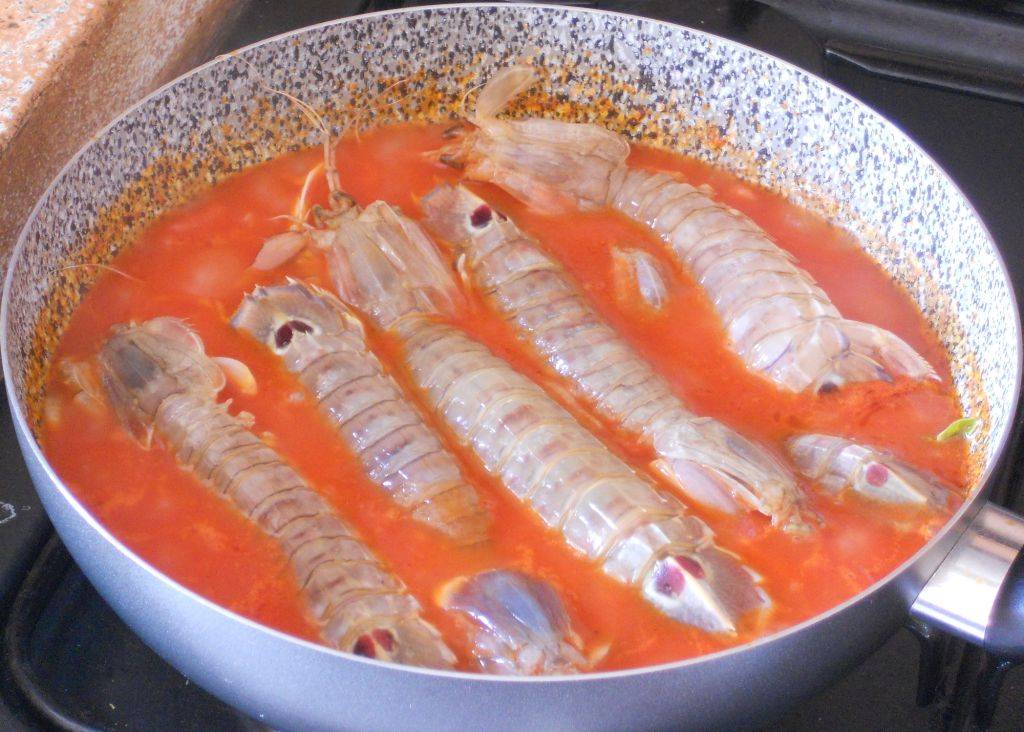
x: 194, y: 262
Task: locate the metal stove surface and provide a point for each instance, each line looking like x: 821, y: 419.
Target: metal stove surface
x: 71, y: 663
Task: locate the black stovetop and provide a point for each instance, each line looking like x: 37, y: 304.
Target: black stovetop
x: 951, y: 74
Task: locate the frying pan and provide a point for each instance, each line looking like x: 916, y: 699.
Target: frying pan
x: 730, y: 105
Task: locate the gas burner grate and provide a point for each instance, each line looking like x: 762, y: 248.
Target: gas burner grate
x: 75, y: 666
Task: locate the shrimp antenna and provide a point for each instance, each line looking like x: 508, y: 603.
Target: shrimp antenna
x: 299, y: 212
x: 296, y: 222
x: 375, y: 97
x: 464, y: 102
x: 107, y: 267
x: 330, y: 170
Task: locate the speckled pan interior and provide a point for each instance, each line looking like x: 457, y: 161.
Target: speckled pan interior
x: 667, y: 85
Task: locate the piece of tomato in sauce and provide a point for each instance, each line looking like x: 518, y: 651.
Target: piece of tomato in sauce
x: 193, y: 263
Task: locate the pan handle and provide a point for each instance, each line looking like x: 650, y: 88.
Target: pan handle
x: 1005, y: 635
x: 977, y: 593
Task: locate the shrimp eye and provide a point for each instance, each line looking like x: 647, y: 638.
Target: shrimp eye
x: 876, y: 474
x: 481, y: 216
x: 385, y: 639
x: 300, y: 327
x: 364, y: 646
x: 368, y: 644
x: 669, y: 580
x: 827, y: 388
x: 283, y: 336
x: 690, y: 565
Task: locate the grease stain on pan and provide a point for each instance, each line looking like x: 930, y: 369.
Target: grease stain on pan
x: 663, y: 85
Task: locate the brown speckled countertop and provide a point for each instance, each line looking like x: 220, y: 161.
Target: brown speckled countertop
x: 67, y: 67
x: 34, y: 34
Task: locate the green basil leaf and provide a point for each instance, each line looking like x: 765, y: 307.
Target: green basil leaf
x: 959, y: 428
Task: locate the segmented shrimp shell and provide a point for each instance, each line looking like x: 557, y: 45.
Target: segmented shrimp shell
x: 326, y: 349
x: 840, y: 464
x: 701, y: 456
x: 537, y: 450
x: 777, y: 319
x: 163, y: 386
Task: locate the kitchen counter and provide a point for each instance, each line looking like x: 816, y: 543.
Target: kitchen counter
x: 67, y: 67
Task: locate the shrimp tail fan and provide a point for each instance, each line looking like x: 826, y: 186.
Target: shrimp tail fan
x: 549, y: 164
x: 891, y: 351
x: 502, y: 88
x: 870, y: 353
x: 384, y: 265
